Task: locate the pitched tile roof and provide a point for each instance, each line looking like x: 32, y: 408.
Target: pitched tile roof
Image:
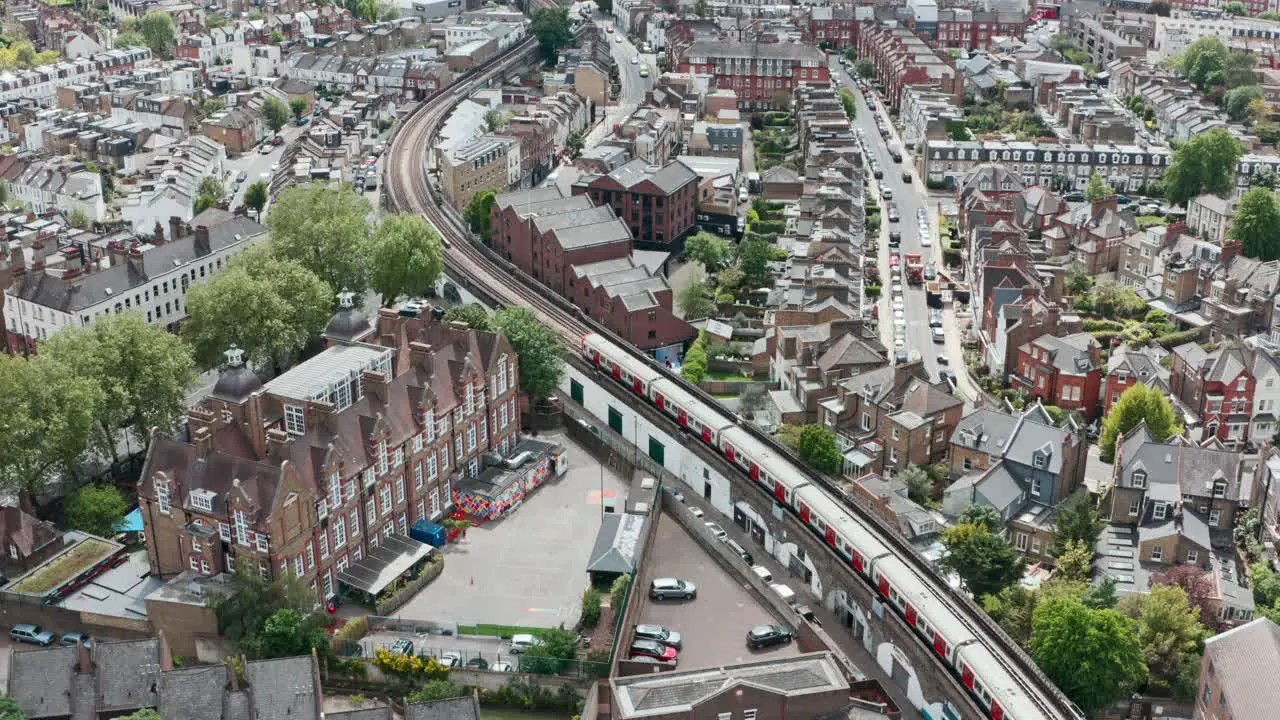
x: 1244, y: 660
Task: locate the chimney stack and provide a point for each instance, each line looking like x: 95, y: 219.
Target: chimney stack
x: 375, y: 384
x: 202, y: 437
x: 421, y: 354
x: 277, y: 442
x: 157, y: 235
x: 202, y: 236
x: 175, y: 227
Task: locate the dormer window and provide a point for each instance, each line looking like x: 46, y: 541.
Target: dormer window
x: 1242, y: 384
x: 1040, y: 461
x: 1158, y: 512
x: 1139, y: 478
x: 202, y: 500
x: 1219, y: 489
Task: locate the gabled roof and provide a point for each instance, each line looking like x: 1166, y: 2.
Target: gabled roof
x: 1244, y: 661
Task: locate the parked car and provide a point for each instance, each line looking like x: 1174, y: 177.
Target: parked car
x: 402, y: 647
x: 901, y: 357
x: 930, y: 272
x: 265, y: 149
x: 716, y: 531
x: 763, y: 636
x: 944, y: 360
x: 893, y: 215
x: 938, y: 335
x: 895, y: 237
x: 668, y: 588
x: 502, y: 667
x: 654, y: 649
x: 948, y: 376
x: 277, y: 140
x: 1074, y: 197
x: 521, y: 642
x: 935, y: 318
x: 478, y: 663
x: 450, y: 659
x: 695, y: 511
x: 73, y: 639
x: 906, y: 177
x: 886, y: 193
x: 660, y: 634
x: 242, y: 176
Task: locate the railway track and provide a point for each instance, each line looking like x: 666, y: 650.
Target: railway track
x: 409, y: 189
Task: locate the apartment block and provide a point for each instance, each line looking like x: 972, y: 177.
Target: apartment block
x: 901, y: 59
x: 760, y: 73
x: 655, y: 202
x: 489, y: 162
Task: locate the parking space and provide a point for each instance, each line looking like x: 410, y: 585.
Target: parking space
x: 714, y: 626
x: 466, y: 649
x: 528, y: 569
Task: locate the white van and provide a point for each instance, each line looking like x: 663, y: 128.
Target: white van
x: 521, y: 643
x: 762, y: 573
x: 787, y: 594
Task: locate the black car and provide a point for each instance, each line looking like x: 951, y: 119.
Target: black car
x: 906, y: 177
x: 478, y: 663
x: 878, y: 173
x: 763, y: 636
x: 895, y: 237
x: 948, y: 376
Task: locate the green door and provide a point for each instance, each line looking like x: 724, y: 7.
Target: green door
x: 575, y: 391
x: 615, y: 420
x: 657, y: 451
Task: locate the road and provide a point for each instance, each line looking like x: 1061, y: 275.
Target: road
x: 254, y: 165
x: 910, y: 198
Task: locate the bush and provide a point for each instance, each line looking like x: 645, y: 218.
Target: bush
x: 410, y: 666
x: 530, y: 696
x: 618, y: 592
x: 1096, y: 325
x: 353, y: 630
x: 1173, y: 340
x: 1104, y: 337
x: 871, y: 291
x: 769, y: 226
x: 592, y: 601
x: 598, y: 663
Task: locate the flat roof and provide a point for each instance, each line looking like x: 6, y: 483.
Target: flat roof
x: 340, y: 363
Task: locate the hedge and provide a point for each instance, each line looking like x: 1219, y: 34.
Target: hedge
x: 1093, y: 325
x: 1174, y: 339
x: 769, y: 226
x: 1104, y: 337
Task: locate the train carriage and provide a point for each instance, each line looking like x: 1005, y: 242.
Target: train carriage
x: 763, y: 464
x: 993, y: 687
x: 900, y: 586
x: 627, y: 369
x: 838, y: 528
x: 694, y: 415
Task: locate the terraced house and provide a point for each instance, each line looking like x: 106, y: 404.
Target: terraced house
x: 321, y: 471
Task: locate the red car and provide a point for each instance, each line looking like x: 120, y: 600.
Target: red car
x: 653, y: 649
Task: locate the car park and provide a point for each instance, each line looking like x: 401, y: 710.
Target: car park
x: 654, y: 649
x: 669, y: 588
x: 763, y: 636
x: 658, y: 633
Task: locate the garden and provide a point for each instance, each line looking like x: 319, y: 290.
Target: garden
x: 776, y: 141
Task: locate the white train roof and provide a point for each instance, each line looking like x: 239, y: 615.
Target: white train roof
x: 636, y: 367
x: 713, y: 417
x: 999, y: 683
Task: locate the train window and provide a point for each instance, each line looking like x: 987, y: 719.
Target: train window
x: 924, y: 628
x: 895, y: 597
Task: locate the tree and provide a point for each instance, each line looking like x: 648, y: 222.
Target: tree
x: 981, y: 515
x: 1168, y: 629
x: 1235, y: 8
x: 752, y: 398
x: 754, y: 256
x: 211, y: 107
x: 1257, y: 224
x: 245, y: 610
x: 286, y: 633
x: 1237, y: 101
x: 1078, y: 521
x: 574, y: 144
x: 711, y: 250
x: 552, y: 28
x: 1098, y: 188
x: 479, y: 213
x: 1078, y: 279
x: 276, y: 38
x: 404, y: 257
x: 983, y: 560
x: 324, y: 228
x: 1103, y: 595
x: 158, y: 33
x: 817, y: 446
x: 48, y: 413
x: 142, y: 374
x: 919, y: 484
x: 255, y: 197
x: 96, y: 509
x: 437, y: 690
x: 1204, y: 164
x: 551, y: 653
x: 693, y: 366
x: 540, y: 351
x: 10, y: 710
x: 1196, y: 585
x: 275, y: 112
x: 474, y: 315
x: 297, y: 106
x: 495, y: 120
x: 1094, y: 656
x: 1012, y: 609
x: 1076, y: 561
x: 695, y: 301
x: 1137, y: 404
x: 864, y: 68
x: 209, y: 193
x: 268, y: 305
x: 128, y: 40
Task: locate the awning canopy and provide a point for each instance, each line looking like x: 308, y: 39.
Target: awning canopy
x: 132, y: 522
x: 394, y: 555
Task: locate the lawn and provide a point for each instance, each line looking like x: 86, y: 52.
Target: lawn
x: 512, y: 714
x: 498, y: 631
x: 64, y: 567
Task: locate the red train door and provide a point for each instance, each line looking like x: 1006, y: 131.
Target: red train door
x: 831, y: 537
x: 661, y: 401
x: 884, y: 586
x: 779, y: 491
x: 684, y: 417
x: 706, y: 434
x: 859, y: 563
x: 967, y: 676
x: 997, y: 712
x: 754, y: 471
x: 911, y: 615
x: 617, y: 372
x: 940, y: 645
x: 639, y: 386
x: 804, y: 512
x: 595, y: 356
x: 729, y: 452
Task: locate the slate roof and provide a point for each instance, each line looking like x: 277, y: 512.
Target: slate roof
x: 669, y: 178
x: 378, y: 713
x: 193, y: 693
x: 283, y: 689
x: 999, y: 487
x: 617, y: 544
x: 40, y: 680
x: 985, y: 429
x: 1070, y: 354
x: 26, y: 532
x: 463, y: 708
x: 1244, y: 660
x: 128, y: 672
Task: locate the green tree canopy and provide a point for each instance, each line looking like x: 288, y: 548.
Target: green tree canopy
x: 1098, y: 188
x: 255, y: 197
x: 552, y: 28
x: 275, y: 112
x: 693, y: 366
x: 1137, y: 404
x: 142, y: 373
x: 209, y: 194
x: 324, y: 228
x: 864, y: 68
x: 817, y: 446
x: 754, y: 255
x: 1237, y: 101
x: 711, y: 250
x: 1257, y: 224
x: 158, y: 33
x: 540, y: 351
x: 919, y: 484
x: 267, y: 305
x: 1076, y: 561
x: 478, y: 215
x: 128, y: 40
x: 695, y: 301
x: 982, y: 515
x: 1012, y: 609
x: 473, y: 314
x: 1094, y: 656
x: 297, y: 106
x: 9, y: 709
x: 250, y: 614
x: 436, y: 690
x: 48, y: 413
x: 1204, y: 164
x: 404, y: 257
x: 1169, y: 630
x: 552, y: 652
x: 287, y: 633
x: 1078, y: 520
x: 983, y: 560
x: 96, y: 509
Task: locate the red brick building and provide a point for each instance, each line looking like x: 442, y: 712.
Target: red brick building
x: 969, y: 30
x: 834, y: 26
x: 584, y: 252
x: 901, y: 59
x: 656, y: 204
x: 760, y: 73
x: 324, y: 469
x: 1129, y: 366
x: 1063, y: 371
x: 1218, y: 386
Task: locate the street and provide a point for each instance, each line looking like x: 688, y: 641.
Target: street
x: 910, y: 198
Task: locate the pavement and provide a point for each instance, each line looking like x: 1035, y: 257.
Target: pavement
x: 909, y: 198
x: 714, y: 625
x: 254, y: 165
x: 529, y: 568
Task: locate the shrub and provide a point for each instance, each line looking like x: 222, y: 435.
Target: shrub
x: 1104, y: 337
x: 410, y: 666
x: 592, y: 601
x: 353, y: 630
x: 1095, y: 325
x: 726, y: 298
x: 871, y: 291
x: 618, y: 593
x: 1174, y: 339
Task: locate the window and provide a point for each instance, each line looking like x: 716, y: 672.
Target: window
x: 1139, y: 478
x: 749, y: 714
x: 446, y: 493
x: 895, y: 432
x: 264, y: 543
x: 866, y: 421
x: 385, y: 495
x: 967, y: 463
x: 311, y: 557
x: 339, y: 534
x: 1192, y: 556
x: 1022, y: 542
x: 195, y: 545
x: 369, y: 477
x: 1215, y: 516
x: 417, y: 474
x: 242, y: 527
x: 162, y: 496
x: 1158, y: 512
x: 195, y: 563
x: 335, y: 491
x: 294, y: 420
x: 324, y: 546
x: 1035, y: 487
x: 354, y: 516
x: 502, y: 414
x: 1035, y: 545
x: 444, y: 460
x: 457, y: 446
x: 224, y: 532
x: 202, y: 500
x: 371, y: 516
x: 298, y: 568
x: 1157, y: 553
x: 1134, y: 506
x: 435, y: 503
x: 382, y: 457
x: 399, y: 488
x: 471, y: 439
